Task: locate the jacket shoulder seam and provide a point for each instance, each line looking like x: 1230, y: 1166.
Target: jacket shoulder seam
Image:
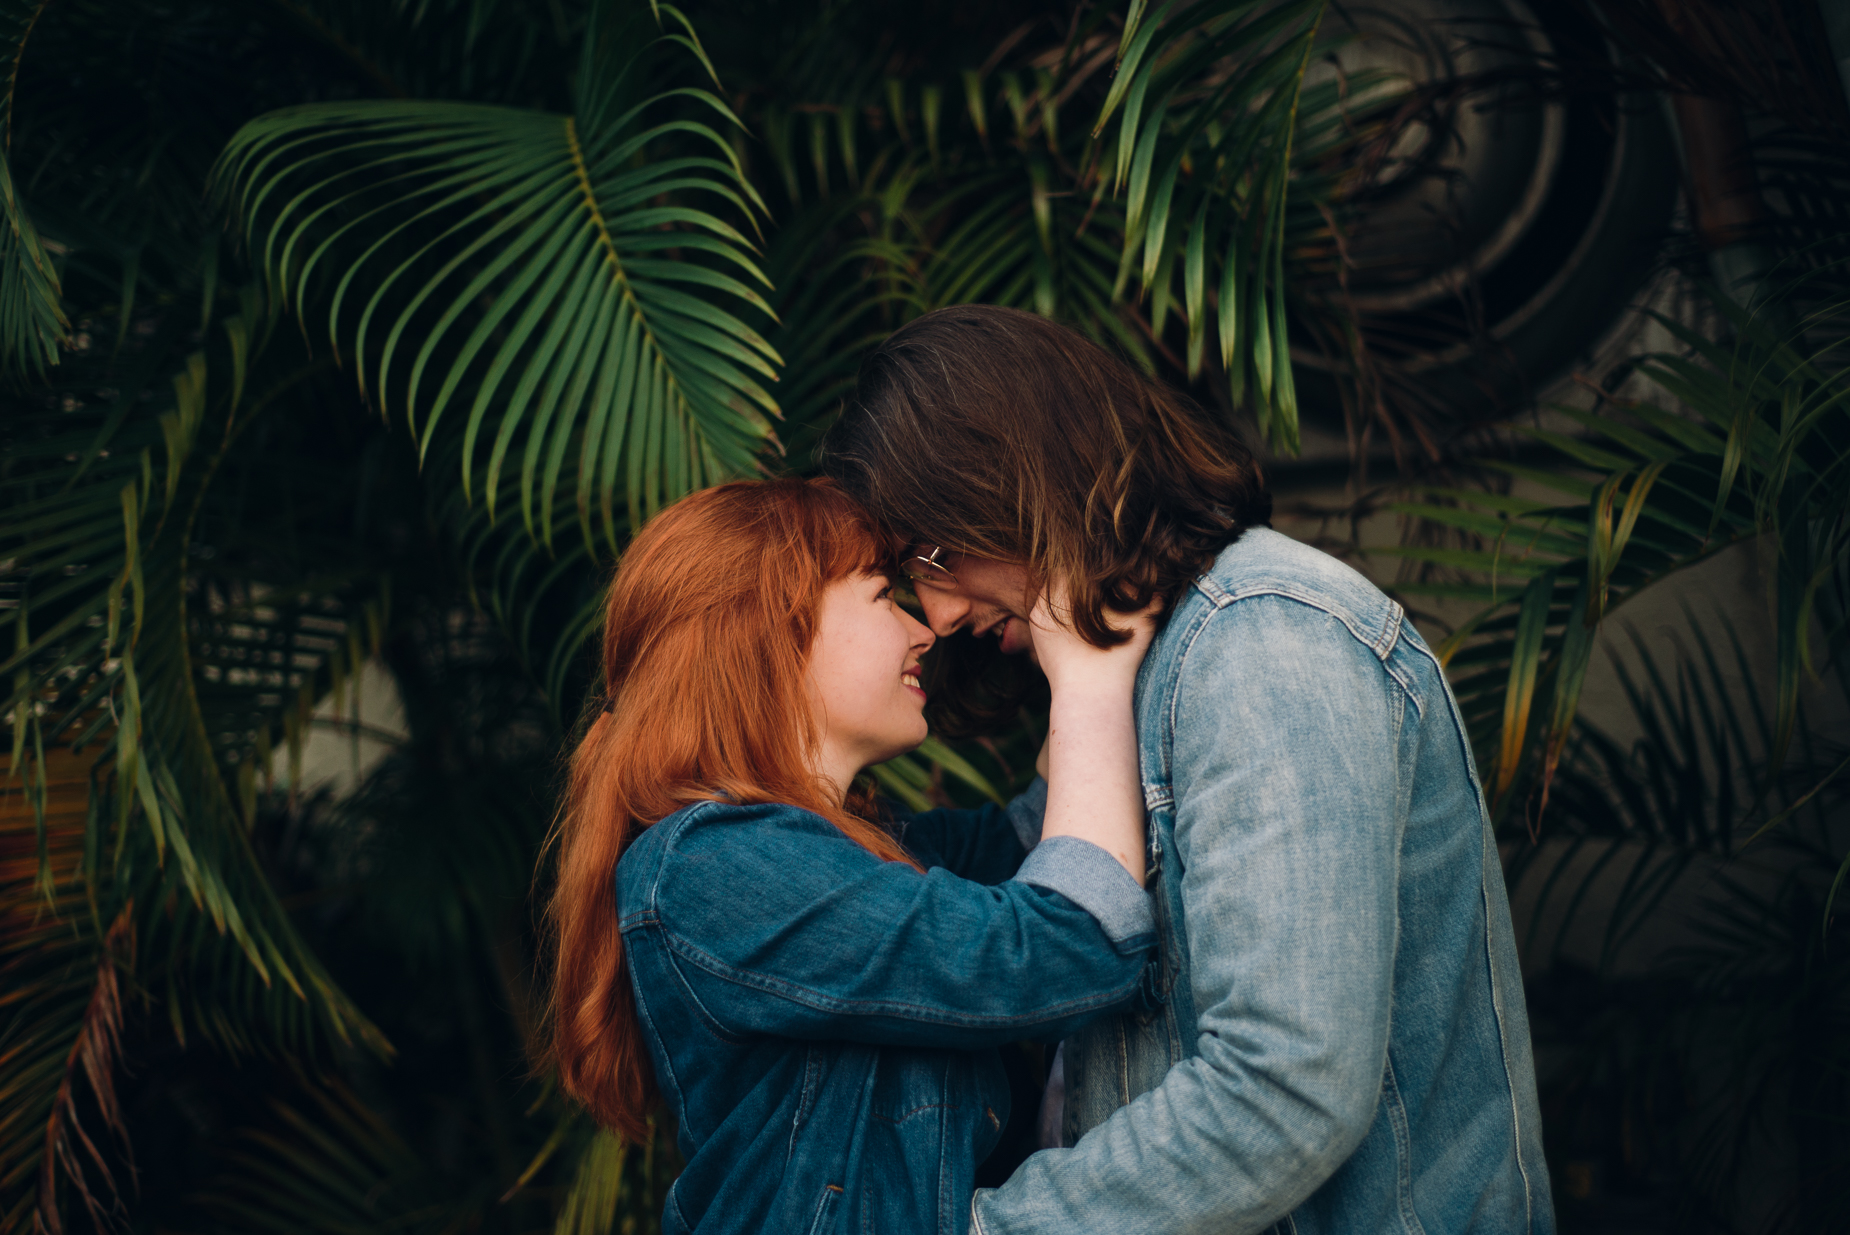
x: 1380, y: 642
x: 677, y: 823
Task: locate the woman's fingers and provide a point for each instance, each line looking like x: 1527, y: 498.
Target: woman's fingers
x: 1067, y: 659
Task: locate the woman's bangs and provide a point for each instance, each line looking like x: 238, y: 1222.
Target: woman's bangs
x: 849, y: 542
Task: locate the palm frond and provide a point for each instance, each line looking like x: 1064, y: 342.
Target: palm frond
x: 538, y: 267
x: 1671, y: 800
x: 65, y: 952
x: 1749, y: 445
x: 32, y: 320
x: 110, y: 649
x: 914, y: 779
x: 330, y: 1166
x: 608, y: 1179
x: 1202, y: 116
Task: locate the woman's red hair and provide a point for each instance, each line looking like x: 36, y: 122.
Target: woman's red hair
x: 707, y: 633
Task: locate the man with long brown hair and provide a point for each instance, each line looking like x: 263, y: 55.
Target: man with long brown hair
x: 1343, y: 1046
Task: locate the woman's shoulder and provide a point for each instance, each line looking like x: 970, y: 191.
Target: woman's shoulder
x: 719, y: 842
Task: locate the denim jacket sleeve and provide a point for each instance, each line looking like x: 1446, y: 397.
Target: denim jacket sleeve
x: 986, y: 844
x: 1288, y: 809
x: 778, y: 924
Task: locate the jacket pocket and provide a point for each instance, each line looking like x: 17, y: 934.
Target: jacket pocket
x: 826, y: 1205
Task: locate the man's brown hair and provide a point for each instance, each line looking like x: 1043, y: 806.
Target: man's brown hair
x: 998, y: 433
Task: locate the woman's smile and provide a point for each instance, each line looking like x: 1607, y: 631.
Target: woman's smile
x: 860, y: 632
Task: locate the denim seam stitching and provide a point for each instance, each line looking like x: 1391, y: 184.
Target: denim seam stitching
x: 946, y: 1205
x: 1406, y: 686
x: 806, y: 1100
x: 1458, y: 724
x: 717, y: 1027
x: 829, y: 1193
x: 1165, y: 794
x: 1174, y: 689
x: 1403, y: 1146
x: 642, y: 1011
x: 1503, y: 1053
x: 1497, y: 1001
x: 806, y: 997
x: 1350, y: 622
x: 1390, y: 631
x: 679, y: 1212
x: 688, y: 815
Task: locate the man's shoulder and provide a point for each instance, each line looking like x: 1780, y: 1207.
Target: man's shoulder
x: 1268, y: 563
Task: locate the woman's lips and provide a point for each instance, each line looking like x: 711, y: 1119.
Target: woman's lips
x: 911, y: 682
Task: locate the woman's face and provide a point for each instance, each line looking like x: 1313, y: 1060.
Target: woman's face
x: 863, y: 677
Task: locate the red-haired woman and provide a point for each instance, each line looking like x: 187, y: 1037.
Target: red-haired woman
x: 816, y: 997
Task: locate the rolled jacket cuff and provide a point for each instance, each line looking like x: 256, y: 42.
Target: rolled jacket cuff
x: 1095, y: 881
x: 1026, y: 812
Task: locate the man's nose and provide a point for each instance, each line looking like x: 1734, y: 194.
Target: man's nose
x: 944, y: 612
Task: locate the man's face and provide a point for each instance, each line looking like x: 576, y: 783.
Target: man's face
x: 980, y: 595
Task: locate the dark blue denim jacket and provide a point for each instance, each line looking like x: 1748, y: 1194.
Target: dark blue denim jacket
x: 823, y: 1024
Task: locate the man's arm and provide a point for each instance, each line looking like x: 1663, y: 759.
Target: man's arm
x: 1289, y: 814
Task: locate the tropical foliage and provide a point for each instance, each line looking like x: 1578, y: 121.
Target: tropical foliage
x: 322, y: 319
x: 339, y: 333
x: 1709, y: 811
x: 1741, y: 447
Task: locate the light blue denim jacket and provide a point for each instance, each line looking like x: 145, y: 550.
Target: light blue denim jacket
x: 1344, y: 1048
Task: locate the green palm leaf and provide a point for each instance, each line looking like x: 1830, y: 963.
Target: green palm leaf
x: 570, y: 282
x: 1748, y: 445
x: 1201, y: 120
x: 32, y: 321
x: 333, y: 1165
x: 63, y: 960
x: 121, y: 659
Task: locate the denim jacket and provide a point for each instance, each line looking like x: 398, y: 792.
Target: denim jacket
x: 823, y: 1024
x: 1344, y: 1048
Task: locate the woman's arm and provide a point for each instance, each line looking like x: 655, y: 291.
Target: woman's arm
x: 778, y: 924
x: 986, y: 844
x: 1094, y: 788
x: 1097, y: 794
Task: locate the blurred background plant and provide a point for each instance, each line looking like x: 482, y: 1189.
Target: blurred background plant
x: 343, y: 345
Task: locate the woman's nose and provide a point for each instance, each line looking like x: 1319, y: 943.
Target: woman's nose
x: 921, y: 634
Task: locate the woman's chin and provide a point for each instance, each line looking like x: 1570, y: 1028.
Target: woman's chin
x: 910, y: 745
